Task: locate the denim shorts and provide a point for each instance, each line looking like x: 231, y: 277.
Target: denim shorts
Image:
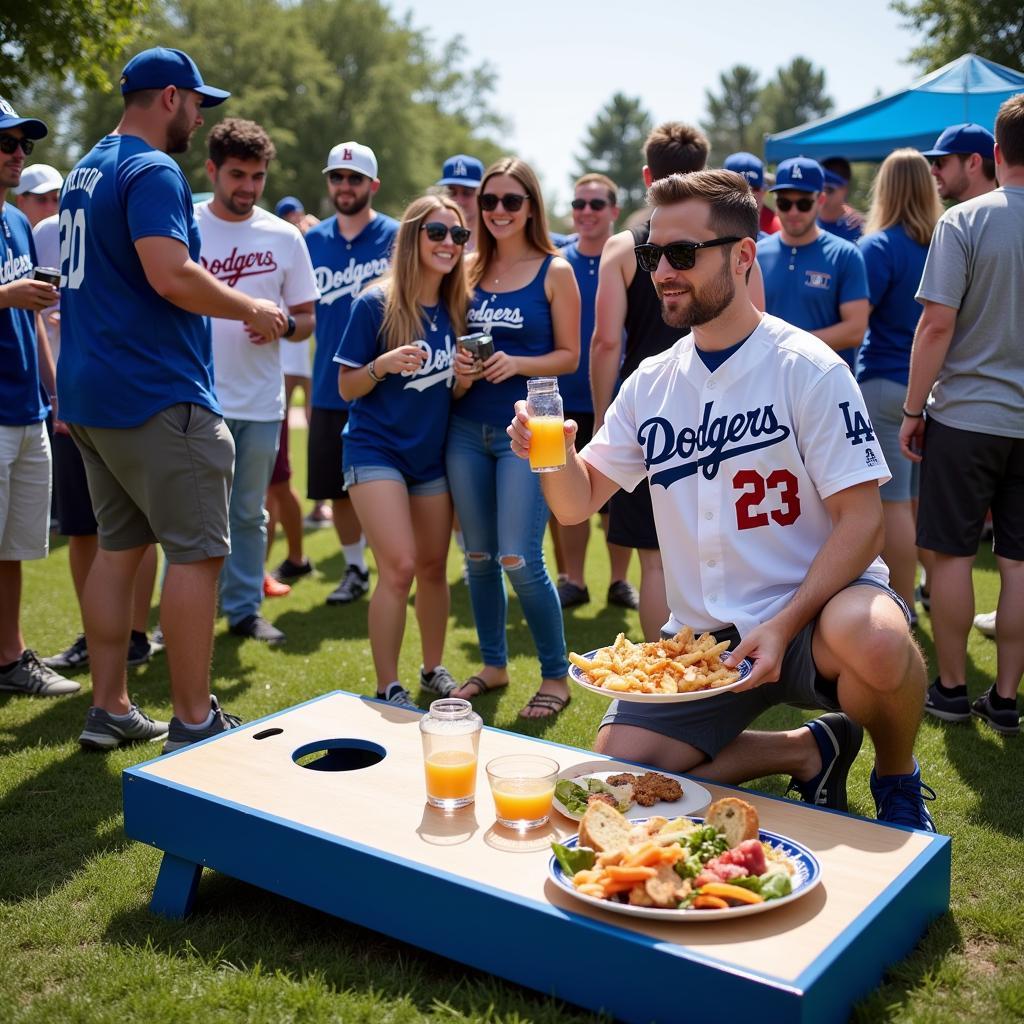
x: 416, y: 488
x: 884, y: 401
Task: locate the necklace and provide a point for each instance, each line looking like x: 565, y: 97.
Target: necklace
x: 433, y: 315
x: 497, y: 279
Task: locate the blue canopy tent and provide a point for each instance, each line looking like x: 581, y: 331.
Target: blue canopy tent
x: 969, y: 88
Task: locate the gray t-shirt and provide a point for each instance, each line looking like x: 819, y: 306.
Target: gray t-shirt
x: 976, y: 265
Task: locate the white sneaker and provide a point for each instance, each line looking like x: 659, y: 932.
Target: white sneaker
x: 986, y: 623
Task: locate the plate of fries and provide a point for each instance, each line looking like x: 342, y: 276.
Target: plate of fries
x: 682, y: 668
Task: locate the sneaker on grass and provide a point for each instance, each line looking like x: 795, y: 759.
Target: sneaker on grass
x: 156, y: 640
x: 399, y: 696
x: 289, y: 571
x: 1005, y: 720
x: 28, y: 675
x: 181, y: 735
x: 75, y: 657
x: 440, y: 681
x: 104, y: 731
x: 139, y: 649
x: 947, y: 705
x: 985, y: 623
x: 255, y: 627
x: 353, y: 585
x: 899, y: 799
x: 839, y: 738
x: 623, y: 594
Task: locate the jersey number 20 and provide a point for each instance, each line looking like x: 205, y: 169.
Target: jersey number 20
x: 755, y: 488
x: 72, y: 248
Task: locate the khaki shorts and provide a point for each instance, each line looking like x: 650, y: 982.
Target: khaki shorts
x: 24, y: 492
x: 167, y: 481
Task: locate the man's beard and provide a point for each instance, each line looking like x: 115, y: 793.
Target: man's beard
x: 352, y: 206
x: 238, y: 209
x: 179, y: 132
x: 705, y: 303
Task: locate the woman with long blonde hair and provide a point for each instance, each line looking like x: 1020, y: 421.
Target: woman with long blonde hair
x: 525, y: 296
x: 905, y: 207
x: 396, y: 371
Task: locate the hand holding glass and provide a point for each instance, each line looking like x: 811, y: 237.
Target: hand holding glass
x: 547, y: 424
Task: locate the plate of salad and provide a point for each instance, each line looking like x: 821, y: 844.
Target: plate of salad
x: 684, y: 869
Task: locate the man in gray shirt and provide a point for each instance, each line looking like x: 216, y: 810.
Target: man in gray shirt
x: 969, y: 353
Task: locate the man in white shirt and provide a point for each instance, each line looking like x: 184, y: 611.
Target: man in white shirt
x: 764, y: 475
x: 265, y: 257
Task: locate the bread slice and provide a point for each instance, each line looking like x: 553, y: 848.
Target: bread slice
x: 603, y: 828
x: 735, y: 818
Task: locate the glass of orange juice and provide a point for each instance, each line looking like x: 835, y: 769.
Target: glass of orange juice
x: 523, y: 786
x: 547, y: 422
x: 451, y: 736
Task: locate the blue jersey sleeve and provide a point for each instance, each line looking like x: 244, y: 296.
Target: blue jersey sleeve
x: 876, y: 252
x: 157, y: 203
x: 361, y: 341
x: 853, y: 278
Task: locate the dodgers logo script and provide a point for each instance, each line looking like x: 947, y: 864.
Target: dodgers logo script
x: 714, y: 441
x: 510, y: 317
x: 333, y: 284
x: 858, y: 429
x: 436, y: 368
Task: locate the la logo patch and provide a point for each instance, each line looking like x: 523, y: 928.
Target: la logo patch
x: 346, y: 154
x: 6, y: 108
x: 460, y: 170
x: 796, y: 174
x: 858, y: 429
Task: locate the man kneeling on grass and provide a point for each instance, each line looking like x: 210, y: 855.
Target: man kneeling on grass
x: 764, y: 476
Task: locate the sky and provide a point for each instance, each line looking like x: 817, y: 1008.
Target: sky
x: 559, y: 61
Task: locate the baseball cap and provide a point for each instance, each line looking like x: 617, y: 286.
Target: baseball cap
x: 31, y: 126
x: 289, y: 205
x: 39, y: 178
x: 965, y: 139
x: 462, y: 170
x: 799, y: 173
x: 160, y: 67
x: 831, y: 178
x: 747, y: 166
x: 352, y: 156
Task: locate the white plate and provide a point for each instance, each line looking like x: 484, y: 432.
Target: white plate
x: 694, y: 799
x: 577, y: 676
x: 808, y: 875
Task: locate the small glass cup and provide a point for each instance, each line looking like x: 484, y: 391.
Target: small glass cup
x: 547, y: 424
x: 523, y: 786
x: 451, y: 739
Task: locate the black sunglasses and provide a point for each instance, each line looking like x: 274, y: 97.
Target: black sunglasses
x: 512, y: 201
x: 337, y: 178
x: 680, y: 255
x: 785, y: 205
x: 9, y: 143
x: 594, y: 204
x: 437, y: 232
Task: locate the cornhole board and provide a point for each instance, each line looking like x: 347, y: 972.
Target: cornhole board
x: 363, y: 845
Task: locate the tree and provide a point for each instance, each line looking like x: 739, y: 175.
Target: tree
x: 65, y: 37
x: 731, y: 116
x: 796, y: 94
x: 614, y: 145
x: 993, y: 29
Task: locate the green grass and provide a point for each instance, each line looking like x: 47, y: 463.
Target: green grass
x: 77, y: 942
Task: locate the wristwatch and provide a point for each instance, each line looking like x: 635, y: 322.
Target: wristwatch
x: 291, y: 327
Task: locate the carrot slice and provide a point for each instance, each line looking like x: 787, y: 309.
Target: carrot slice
x: 624, y: 874
x: 731, y: 892
x: 709, y: 903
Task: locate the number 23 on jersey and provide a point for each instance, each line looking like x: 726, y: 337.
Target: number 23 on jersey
x: 754, y: 490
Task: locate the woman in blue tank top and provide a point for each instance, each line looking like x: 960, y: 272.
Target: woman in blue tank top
x: 526, y: 296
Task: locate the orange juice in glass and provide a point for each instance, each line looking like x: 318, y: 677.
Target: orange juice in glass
x: 451, y: 735
x: 547, y: 436
x: 522, y: 786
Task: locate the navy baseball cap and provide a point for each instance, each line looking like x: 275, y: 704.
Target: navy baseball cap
x: 160, y: 67
x: 31, y: 127
x: 799, y: 173
x: 289, y: 205
x: 462, y: 170
x: 746, y: 165
x: 831, y: 178
x: 965, y: 139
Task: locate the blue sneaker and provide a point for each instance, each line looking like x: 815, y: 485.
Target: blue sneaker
x: 899, y: 799
x: 839, y: 738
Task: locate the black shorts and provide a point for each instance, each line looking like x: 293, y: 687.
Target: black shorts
x: 631, y: 518
x: 282, y: 472
x: 324, y: 480
x: 75, y: 517
x: 963, y: 475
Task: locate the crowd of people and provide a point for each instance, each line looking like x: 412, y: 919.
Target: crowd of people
x: 752, y: 419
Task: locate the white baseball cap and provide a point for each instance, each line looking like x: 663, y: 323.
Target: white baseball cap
x: 352, y: 156
x: 39, y: 178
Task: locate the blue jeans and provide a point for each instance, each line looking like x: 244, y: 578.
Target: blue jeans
x: 241, y: 579
x: 503, y: 514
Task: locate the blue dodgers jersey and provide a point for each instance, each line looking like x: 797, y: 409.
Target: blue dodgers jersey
x: 575, y: 387
x: 126, y: 353
x: 520, y: 324
x: 842, y: 227
x: 343, y: 269
x: 895, y: 263
x: 806, y: 284
x: 403, y: 421
x: 21, y: 397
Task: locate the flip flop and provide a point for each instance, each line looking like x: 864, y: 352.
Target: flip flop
x: 549, y: 702
x: 482, y: 686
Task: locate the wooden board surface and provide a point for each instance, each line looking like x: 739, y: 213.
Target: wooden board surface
x: 384, y: 807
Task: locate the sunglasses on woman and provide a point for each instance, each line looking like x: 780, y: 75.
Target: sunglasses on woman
x: 803, y: 205
x: 354, y: 179
x: 9, y: 143
x: 680, y: 255
x: 512, y: 201
x: 594, y: 204
x: 436, y: 232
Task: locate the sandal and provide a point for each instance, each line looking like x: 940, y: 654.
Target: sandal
x: 550, y: 703
x: 482, y: 686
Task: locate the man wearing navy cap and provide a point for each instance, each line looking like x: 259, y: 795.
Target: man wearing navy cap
x: 812, y: 278
x: 750, y: 167
x: 962, y: 162
x: 462, y: 175
x: 136, y: 387
x: 25, y: 381
x: 836, y: 215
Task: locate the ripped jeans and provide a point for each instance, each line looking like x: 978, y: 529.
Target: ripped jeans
x: 503, y: 515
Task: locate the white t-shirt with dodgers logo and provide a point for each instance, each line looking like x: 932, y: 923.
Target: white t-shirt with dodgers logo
x: 265, y: 257
x: 740, y: 461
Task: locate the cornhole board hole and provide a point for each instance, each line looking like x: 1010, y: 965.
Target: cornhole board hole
x: 324, y: 803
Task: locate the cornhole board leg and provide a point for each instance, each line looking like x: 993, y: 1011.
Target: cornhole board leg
x: 176, y: 885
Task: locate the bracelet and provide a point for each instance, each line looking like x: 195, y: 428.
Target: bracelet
x: 370, y: 371
x: 913, y: 415
x: 291, y: 327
